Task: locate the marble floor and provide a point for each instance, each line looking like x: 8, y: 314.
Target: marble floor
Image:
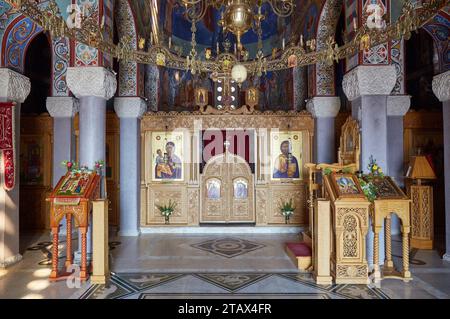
x: 209, y: 266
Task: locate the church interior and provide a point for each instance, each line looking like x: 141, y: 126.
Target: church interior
x: 189, y: 149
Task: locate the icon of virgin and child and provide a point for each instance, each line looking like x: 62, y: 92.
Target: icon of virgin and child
x: 286, y: 164
x: 168, y: 165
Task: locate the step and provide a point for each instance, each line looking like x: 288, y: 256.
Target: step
x: 301, y: 255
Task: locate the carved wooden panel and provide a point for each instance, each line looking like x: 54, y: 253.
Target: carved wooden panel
x: 283, y: 193
x: 160, y: 195
x: 36, y: 147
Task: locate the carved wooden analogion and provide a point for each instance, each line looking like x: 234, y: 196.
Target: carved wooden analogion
x: 72, y: 197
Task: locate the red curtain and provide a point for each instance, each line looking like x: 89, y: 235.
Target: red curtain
x: 242, y: 143
x: 7, y: 144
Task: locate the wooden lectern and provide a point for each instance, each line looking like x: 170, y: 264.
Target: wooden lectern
x: 72, y: 197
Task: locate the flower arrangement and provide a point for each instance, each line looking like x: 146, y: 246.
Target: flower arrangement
x: 366, y: 180
x: 74, y: 168
x: 167, y: 210
x: 374, y: 168
x: 287, y: 210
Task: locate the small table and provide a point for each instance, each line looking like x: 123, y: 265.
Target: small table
x: 72, y: 197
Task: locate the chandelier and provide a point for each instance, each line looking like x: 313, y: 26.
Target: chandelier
x: 238, y: 17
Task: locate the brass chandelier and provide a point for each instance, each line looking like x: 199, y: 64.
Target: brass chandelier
x: 90, y: 31
x: 238, y: 16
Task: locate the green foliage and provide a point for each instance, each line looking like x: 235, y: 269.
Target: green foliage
x: 167, y: 209
x: 287, y: 206
x: 327, y: 171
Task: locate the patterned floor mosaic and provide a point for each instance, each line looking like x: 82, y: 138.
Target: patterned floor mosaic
x: 228, y: 247
x: 225, y: 285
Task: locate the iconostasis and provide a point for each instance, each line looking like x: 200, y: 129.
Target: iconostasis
x: 225, y: 168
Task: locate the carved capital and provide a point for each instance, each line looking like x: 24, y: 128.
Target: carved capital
x: 14, y: 87
x: 398, y: 105
x: 62, y: 107
x: 324, y: 106
x: 130, y: 107
x: 91, y: 81
x: 441, y: 86
x: 369, y: 80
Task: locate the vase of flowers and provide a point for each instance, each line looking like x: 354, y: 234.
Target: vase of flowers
x: 167, y: 210
x: 287, y: 210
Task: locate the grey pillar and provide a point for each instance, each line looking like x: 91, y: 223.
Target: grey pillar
x: 441, y: 88
x: 368, y: 88
x: 93, y: 86
x: 398, y: 106
x: 130, y: 110
x: 62, y: 110
x: 324, y: 110
x: 14, y: 87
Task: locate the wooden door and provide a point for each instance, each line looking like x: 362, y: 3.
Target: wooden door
x: 227, y: 191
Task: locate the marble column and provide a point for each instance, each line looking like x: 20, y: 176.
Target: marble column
x: 368, y: 88
x: 397, y: 107
x: 93, y: 86
x: 324, y: 109
x: 14, y: 87
x: 130, y: 110
x: 441, y: 88
x: 62, y: 110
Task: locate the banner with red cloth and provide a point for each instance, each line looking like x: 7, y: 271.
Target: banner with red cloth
x: 7, y: 145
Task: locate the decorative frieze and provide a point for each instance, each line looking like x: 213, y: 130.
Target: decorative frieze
x: 369, y: 80
x: 62, y: 107
x: 14, y: 87
x: 91, y: 81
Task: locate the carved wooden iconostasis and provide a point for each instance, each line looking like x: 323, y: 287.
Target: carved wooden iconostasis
x: 225, y: 168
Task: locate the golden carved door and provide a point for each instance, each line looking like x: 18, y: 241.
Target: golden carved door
x: 227, y: 191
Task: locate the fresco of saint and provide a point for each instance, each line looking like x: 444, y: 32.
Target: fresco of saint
x: 286, y: 164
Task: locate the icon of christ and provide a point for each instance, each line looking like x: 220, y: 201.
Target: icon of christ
x: 286, y: 164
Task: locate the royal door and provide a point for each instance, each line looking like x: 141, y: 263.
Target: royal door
x: 227, y: 194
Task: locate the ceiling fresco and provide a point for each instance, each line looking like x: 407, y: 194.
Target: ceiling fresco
x: 172, y: 22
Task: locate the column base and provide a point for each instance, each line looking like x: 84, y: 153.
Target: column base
x: 129, y: 233
x: 8, y: 262
x: 446, y: 257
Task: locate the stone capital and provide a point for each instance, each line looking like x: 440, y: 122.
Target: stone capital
x: 130, y: 107
x: 441, y: 86
x: 91, y: 81
x: 324, y: 106
x: 369, y: 80
x: 62, y: 107
x: 398, y: 105
x: 14, y: 87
